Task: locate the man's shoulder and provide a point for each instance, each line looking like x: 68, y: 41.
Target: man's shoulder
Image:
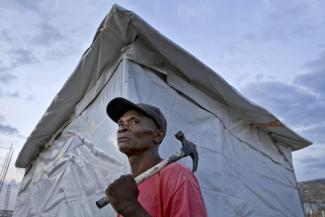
x: 177, y: 168
x: 177, y: 174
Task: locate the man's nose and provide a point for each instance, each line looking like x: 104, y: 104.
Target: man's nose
x: 122, y: 128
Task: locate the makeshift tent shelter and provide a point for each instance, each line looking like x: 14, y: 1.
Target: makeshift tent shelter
x: 245, y: 166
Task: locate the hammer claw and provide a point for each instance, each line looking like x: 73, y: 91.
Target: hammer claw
x: 195, y: 158
x: 189, y: 149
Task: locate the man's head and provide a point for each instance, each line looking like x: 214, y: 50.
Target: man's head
x: 141, y: 126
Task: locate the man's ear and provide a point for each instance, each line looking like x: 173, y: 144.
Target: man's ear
x: 159, y: 136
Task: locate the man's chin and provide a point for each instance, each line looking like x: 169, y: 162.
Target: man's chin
x: 125, y: 149
x: 129, y: 151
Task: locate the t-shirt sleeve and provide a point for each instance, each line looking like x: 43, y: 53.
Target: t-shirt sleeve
x: 187, y: 201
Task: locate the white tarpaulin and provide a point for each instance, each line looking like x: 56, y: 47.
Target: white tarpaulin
x: 72, y: 154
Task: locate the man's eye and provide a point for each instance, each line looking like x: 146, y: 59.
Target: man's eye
x: 134, y: 122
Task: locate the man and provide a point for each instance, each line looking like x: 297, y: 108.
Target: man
x: 172, y: 192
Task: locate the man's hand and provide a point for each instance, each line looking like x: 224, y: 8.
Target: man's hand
x: 123, y: 196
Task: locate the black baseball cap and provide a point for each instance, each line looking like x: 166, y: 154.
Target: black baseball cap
x: 118, y: 106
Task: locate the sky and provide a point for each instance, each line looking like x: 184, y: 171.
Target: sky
x: 272, y: 51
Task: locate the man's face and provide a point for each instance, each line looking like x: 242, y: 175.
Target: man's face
x: 136, y: 133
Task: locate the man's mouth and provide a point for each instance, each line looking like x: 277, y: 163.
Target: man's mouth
x: 122, y: 139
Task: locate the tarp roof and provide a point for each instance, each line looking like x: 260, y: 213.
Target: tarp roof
x: 119, y: 29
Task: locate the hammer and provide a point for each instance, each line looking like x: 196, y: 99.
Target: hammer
x: 188, y: 149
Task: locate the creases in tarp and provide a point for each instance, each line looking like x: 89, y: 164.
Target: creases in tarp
x: 202, y: 100
x: 226, y: 162
x: 84, y: 158
x: 81, y: 162
x: 67, y: 180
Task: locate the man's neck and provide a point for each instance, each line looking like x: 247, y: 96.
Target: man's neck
x: 143, y: 161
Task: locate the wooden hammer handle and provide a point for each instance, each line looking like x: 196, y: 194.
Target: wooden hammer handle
x: 139, y: 179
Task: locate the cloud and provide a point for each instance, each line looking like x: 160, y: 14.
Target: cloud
x: 17, y: 57
x: 29, y: 4
x: 191, y: 10
x: 295, y: 105
x: 8, y: 130
x: 316, y: 133
x: 6, y: 77
x: 5, y: 36
x: 48, y: 35
x: 283, y: 21
x: 315, y: 79
x: 310, y: 166
x: 22, y: 4
x: 313, y: 163
x: 3, y: 67
x: 319, y: 165
x: 13, y: 94
x: 30, y: 97
x: 21, y: 56
x: 9, y: 94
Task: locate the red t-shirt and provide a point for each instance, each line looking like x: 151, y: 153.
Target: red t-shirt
x: 172, y: 192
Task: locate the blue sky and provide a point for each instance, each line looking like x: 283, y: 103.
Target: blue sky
x: 273, y: 52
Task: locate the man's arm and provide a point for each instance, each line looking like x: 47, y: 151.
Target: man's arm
x: 123, y: 196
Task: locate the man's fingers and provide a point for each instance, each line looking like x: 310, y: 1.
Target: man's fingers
x: 123, y: 179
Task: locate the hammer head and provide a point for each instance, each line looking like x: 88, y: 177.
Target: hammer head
x: 188, y: 149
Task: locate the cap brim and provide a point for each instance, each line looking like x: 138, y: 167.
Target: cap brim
x: 118, y: 106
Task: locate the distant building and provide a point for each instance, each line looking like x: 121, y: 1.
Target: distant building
x: 6, y: 213
x: 313, y: 197
x: 8, y: 199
